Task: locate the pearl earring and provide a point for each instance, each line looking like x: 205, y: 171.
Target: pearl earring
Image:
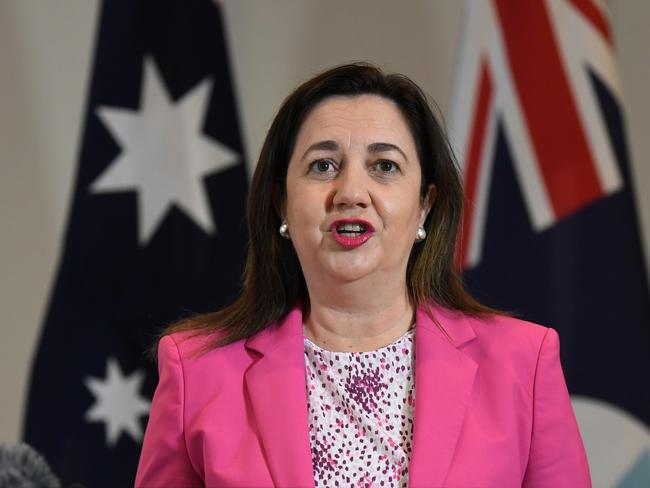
x: 421, y: 234
x: 284, y: 230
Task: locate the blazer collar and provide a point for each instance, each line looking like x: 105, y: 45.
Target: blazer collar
x: 452, y: 325
x: 444, y: 377
x: 276, y: 388
x: 277, y: 392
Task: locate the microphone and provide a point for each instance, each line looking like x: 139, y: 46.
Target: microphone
x: 22, y: 467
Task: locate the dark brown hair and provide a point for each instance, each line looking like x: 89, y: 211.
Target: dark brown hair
x: 273, y: 281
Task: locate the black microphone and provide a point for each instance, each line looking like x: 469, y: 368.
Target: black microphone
x: 22, y: 467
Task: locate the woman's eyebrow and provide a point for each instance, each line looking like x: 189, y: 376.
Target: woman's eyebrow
x: 322, y: 146
x: 379, y: 147
x: 374, y: 148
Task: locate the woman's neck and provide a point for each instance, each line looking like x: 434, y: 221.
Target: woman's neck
x: 355, y: 318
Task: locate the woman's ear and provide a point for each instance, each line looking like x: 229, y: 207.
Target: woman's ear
x: 279, y: 201
x: 427, y: 202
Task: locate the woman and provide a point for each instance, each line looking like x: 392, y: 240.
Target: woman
x: 354, y: 357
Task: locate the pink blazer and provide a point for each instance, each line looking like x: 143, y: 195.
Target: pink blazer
x: 491, y: 409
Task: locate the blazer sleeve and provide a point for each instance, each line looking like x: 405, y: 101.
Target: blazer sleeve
x: 557, y: 456
x: 164, y: 460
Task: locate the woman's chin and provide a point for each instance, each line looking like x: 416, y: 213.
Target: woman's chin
x: 349, y: 276
x: 347, y: 271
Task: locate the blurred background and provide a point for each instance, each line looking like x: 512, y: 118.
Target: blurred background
x: 47, y: 56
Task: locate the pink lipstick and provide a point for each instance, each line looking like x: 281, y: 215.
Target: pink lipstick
x: 351, y: 233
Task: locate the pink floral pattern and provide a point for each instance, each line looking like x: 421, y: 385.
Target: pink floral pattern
x: 361, y: 407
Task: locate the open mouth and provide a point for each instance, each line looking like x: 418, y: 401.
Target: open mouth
x: 351, y: 233
x: 351, y: 230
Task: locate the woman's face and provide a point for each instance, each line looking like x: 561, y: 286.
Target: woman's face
x: 353, y: 191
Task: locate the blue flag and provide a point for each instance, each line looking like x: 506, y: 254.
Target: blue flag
x: 550, y: 230
x: 156, y: 231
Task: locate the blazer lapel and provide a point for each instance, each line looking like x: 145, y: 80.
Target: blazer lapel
x: 444, y: 377
x: 276, y: 390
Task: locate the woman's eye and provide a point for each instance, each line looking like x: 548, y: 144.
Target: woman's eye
x: 322, y: 166
x: 386, y: 166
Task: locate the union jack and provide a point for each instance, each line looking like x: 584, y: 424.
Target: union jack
x: 526, y: 65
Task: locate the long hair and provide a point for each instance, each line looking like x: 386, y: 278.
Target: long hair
x: 273, y: 282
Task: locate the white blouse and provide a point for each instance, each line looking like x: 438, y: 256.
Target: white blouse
x: 361, y: 407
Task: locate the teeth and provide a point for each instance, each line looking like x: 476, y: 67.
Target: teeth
x: 351, y: 228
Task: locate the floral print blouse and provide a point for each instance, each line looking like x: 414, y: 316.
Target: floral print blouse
x: 361, y: 407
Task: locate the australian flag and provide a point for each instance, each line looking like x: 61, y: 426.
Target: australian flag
x: 156, y: 231
x: 550, y: 230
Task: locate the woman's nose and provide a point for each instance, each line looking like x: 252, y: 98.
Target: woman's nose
x: 351, y: 187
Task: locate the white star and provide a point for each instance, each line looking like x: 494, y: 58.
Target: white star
x: 165, y: 153
x: 118, y: 402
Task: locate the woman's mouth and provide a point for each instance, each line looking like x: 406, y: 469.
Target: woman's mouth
x: 351, y: 233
